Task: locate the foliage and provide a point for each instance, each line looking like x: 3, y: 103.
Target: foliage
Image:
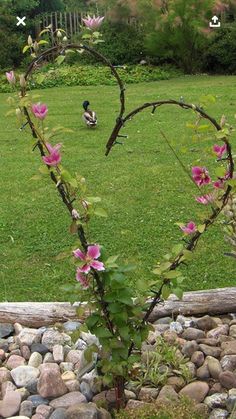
x: 157, y: 365
x: 220, y: 56
x: 90, y: 75
x: 184, y: 409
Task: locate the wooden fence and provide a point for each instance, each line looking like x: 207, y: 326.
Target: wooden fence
x: 69, y: 21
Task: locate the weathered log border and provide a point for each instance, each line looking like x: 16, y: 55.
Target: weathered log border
x: 37, y: 314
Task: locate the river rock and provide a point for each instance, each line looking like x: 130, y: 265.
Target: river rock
x: 26, y: 408
x: 82, y: 411
x: 6, y: 329
x: 24, y: 375
x: 216, y: 400
x: 206, y: 323
x: 35, y: 360
x: 44, y: 411
x: 58, y: 414
x: 220, y: 330
x: 37, y: 400
x: 28, y: 336
x: 232, y: 331
x: 193, y: 334
x: 148, y: 394
x: 58, y: 353
x: 228, y: 348
x: 214, y: 366
x: 50, y: 383
x: 40, y: 348
x: 210, y: 350
x: 68, y: 400
x: 231, y: 403
x: 189, y: 348
x: 227, y: 379
x: 218, y: 414
x: 228, y: 362
x: 52, y: 337
x: 196, y: 391
x: 167, y: 394
x: 203, y: 372
x: 10, y: 404
x: 198, y: 358
x: 15, y: 361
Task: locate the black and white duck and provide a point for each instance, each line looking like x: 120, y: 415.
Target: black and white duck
x: 89, y: 117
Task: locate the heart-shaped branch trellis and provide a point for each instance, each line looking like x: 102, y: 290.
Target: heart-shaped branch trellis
x: 69, y: 200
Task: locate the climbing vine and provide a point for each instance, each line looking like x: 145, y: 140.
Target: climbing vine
x: 119, y: 321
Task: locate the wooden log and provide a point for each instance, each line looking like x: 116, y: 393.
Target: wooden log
x: 216, y: 301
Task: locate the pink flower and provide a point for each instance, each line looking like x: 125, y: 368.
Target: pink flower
x: 40, y: 110
x: 11, y: 77
x: 83, y: 279
x: 190, y: 228
x: 200, y: 175
x: 75, y: 214
x: 219, y: 150
x: 219, y: 184
x: 205, y: 199
x: 93, y: 23
x: 54, y: 157
x: 93, y: 253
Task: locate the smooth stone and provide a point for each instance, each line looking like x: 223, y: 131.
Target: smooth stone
x: 191, y: 368
x: 24, y: 375
x: 176, y: 382
x: 193, y: 334
x: 153, y: 336
x: 163, y: 320
x: 48, y: 358
x: 71, y: 326
x: 68, y: 375
x: 93, y: 380
x: 84, y: 366
x: 25, y: 352
x: 196, y: 391
x: 37, y: 400
x: 220, y: 330
x: 52, y: 337
x: 35, y: 360
x: 206, y: 323
x: 216, y: 388
x: 50, y: 383
x: 85, y: 389
x: 39, y: 347
x: 219, y: 414
x: 26, y: 408
x: 58, y: 353
x: 24, y: 393
x: 19, y: 417
x: 228, y: 348
x: 10, y: 404
x: 227, y: 379
x: 189, y: 348
x: 68, y: 400
x: 82, y: 411
x: 210, y: 350
x: 80, y: 344
x: 104, y: 414
x: 5, y: 375
x: 4, y: 345
x: 185, y: 321
x: 32, y: 386
x: 214, y: 367
x: 44, y: 410
x: 232, y: 331
x: 58, y: 414
x: 74, y: 356
x: 15, y: 361
x: 148, y: 394
x: 89, y: 338
x: 6, y: 329
x: 203, y: 372
x: 161, y: 328
x: 74, y: 385
x: 28, y: 336
x: 167, y: 394
x: 216, y: 400
x: 135, y: 404
x: 7, y: 386
x: 228, y: 362
x: 176, y: 327
x: 198, y: 358
x: 130, y: 395
x: 209, y: 341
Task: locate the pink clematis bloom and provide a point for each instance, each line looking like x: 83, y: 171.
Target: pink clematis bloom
x: 219, y: 150
x: 93, y: 253
x: 54, y: 157
x: 93, y: 23
x: 190, y: 228
x: 11, y: 77
x: 82, y: 278
x: 200, y: 175
x: 205, y: 199
x: 219, y: 184
x: 40, y: 110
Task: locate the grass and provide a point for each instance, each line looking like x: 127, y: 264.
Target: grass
x: 142, y: 186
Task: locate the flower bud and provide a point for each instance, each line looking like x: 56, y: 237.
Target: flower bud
x: 30, y: 40
x: 59, y: 34
x: 65, y: 39
x: 75, y: 214
x: 35, y: 46
x: 22, y: 81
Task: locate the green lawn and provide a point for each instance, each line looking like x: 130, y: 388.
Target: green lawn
x: 141, y: 184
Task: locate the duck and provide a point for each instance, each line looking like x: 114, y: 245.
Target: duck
x: 89, y: 117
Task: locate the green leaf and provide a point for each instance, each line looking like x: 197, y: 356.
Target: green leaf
x: 166, y: 291
x: 100, y: 212
x: 111, y: 260
x: 220, y: 172
x: 42, y: 42
x: 201, y: 228
x: 172, y: 274
x: 93, y: 199
x: 101, y: 332
x: 44, y: 170
x: 124, y: 332
x: 41, y: 78
x: 59, y: 60
x: 26, y: 48
x: 115, y: 307
x: 92, y: 320
x: 177, y: 249
x: 178, y: 292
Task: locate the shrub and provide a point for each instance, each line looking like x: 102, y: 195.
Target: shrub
x: 90, y: 75
x: 221, y: 54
